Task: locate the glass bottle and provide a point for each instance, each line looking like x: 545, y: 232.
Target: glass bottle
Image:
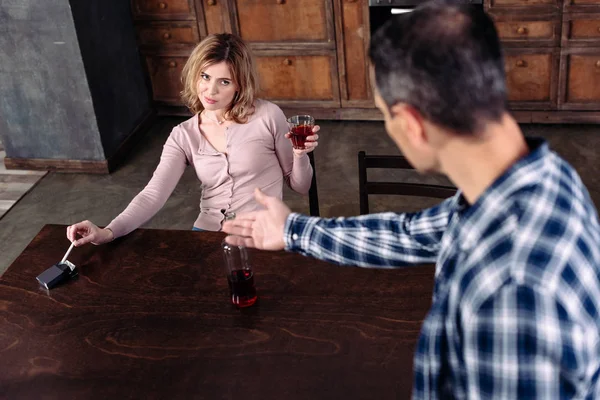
x: 240, y: 275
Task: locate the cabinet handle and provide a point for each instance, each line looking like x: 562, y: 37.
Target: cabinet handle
x: 598, y: 64
x: 167, y: 36
x: 521, y: 63
x: 599, y: 29
x: 162, y: 5
x: 172, y: 64
x: 212, y: 2
x: 280, y: 1
x: 350, y: 1
x: 287, y: 61
x: 521, y: 30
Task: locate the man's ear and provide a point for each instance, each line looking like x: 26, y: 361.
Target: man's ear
x: 411, y: 122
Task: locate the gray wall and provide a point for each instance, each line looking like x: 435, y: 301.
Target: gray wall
x: 45, y: 104
x: 71, y: 81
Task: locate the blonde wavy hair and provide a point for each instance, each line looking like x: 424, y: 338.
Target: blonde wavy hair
x: 232, y: 50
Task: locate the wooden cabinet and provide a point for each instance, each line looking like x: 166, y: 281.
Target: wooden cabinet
x: 581, y: 5
x: 295, y: 51
x: 581, y: 29
x: 164, y: 34
x: 531, y: 76
x: 580, y: 83
x: 530, y: 34
x: 579, y: 87
x: 165, y: 76
x: 308, y: 80
x: 163, y: 9
x: 312, y: 55
x: 523, y: 4
x: 167, y: 32
x: 352, y: 30
x: 289, y: 21
x: 584, y: 29
x: 552, y: 58
x: 217, y: 16
x: 293, y: 42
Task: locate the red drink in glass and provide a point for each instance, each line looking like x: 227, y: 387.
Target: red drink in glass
x: 241, y: 287
x: 301, y: 127
x: 299, y: 134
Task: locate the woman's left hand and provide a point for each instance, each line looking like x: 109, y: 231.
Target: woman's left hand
x: 310, y: 144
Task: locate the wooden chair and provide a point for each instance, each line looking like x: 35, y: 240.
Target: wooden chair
x: 313, y: 196
x: 367, y: 187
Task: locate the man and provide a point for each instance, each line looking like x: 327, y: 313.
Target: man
x: 517, y: 290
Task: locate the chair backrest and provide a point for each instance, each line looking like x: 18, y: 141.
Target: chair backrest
x: 313, y: 196
x: 367, y: 187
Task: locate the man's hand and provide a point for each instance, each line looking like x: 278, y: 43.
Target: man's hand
x: 260, y: 229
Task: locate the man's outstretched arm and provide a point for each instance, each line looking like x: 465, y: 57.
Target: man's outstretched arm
x: 378, y: 240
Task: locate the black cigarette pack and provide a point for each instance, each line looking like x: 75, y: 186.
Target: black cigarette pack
x: 57, y: 274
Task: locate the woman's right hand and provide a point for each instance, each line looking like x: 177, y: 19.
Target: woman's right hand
x: 89, y: 233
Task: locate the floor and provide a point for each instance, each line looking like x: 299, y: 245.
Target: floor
x: 14, y: 183
x: 61, y: 198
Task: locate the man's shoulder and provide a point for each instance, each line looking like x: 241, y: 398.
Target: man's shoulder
x: 540, y: 236
x: 556, y: 208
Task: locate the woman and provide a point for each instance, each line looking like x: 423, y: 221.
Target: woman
x: 235, y: 142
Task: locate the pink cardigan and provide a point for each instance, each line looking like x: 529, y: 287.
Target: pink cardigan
x: 258, y: 156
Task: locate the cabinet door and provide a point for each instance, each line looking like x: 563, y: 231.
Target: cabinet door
x: 285, y: 20
x: 581, y: 30
x: 524, y: 4
x: 531, y: 78
x: 164, y: 9
x: 217, y: 16
x: 580, y: 79
x: 294, y: 80
x: 582, y: 5
x: 165, y: 76
x: 533, y: 31
x: 167, y: 34
x: 352, y: 41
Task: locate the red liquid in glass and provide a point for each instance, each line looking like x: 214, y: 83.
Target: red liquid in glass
x: 299, y: 134
x: 241, y: 286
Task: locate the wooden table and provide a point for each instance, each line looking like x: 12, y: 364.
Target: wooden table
x: 148, y: 317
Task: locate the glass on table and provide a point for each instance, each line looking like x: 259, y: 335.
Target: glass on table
x: 240, y: 275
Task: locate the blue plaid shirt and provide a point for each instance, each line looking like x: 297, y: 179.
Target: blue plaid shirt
x: 517, y: 284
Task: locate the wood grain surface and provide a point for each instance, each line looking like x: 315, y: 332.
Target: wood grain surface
x: 149, y: 317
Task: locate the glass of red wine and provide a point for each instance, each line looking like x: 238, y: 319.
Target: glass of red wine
x: 240, y: 275
x: 301, y: 126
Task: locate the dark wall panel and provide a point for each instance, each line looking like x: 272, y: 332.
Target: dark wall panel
x: 113, y: 67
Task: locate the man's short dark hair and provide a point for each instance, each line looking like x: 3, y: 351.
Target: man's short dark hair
x: 445, y: 60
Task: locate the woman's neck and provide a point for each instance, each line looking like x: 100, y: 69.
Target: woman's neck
x: 216, y: 116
